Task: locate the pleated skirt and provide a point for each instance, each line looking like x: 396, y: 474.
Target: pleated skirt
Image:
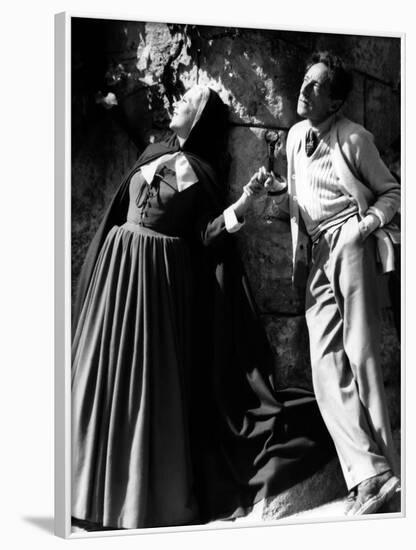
x: 131, y: 463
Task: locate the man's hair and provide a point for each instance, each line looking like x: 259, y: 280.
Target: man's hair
x: 340, y: 78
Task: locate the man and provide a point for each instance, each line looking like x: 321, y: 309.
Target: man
x: 342, y: 196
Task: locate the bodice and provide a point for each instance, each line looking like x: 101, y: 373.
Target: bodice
x: 160, y: 206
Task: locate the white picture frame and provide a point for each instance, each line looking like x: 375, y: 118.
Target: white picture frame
x: 63, y: 285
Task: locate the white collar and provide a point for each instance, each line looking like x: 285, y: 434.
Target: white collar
x: 185, y: 175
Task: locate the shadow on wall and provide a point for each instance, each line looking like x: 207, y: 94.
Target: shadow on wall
x: 258, y: 72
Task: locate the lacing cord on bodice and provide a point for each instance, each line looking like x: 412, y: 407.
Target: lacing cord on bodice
x: 152, y: 191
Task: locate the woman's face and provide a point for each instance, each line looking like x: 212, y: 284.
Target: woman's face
x: 184, y: 112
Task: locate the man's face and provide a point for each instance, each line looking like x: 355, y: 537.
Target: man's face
x: 315, y: 102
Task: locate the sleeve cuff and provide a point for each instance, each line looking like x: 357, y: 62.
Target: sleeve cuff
x: 231, y: 222
x: 378, y: 213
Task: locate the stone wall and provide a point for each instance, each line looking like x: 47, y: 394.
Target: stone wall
x: 258, y: 74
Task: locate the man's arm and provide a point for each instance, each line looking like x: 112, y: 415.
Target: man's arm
x: 375, y: 174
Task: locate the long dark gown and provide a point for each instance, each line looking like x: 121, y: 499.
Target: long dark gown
x: 131, y: 361
x: 175, y: 419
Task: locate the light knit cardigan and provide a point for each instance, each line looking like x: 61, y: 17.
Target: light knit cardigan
x: 361, y: 174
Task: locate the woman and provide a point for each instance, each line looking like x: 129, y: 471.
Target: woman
x: 174, y: 417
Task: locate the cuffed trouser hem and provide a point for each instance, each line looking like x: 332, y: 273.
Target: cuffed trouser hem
x: 362, y: 475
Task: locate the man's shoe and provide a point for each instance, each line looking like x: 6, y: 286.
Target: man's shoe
x: 350, y: 501
x: 393, y: 505
x: 373, y: 493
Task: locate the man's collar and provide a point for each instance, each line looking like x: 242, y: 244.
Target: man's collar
x: 322, y: 128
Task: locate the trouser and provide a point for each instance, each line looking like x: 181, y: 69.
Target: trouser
x: 343, y: 317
